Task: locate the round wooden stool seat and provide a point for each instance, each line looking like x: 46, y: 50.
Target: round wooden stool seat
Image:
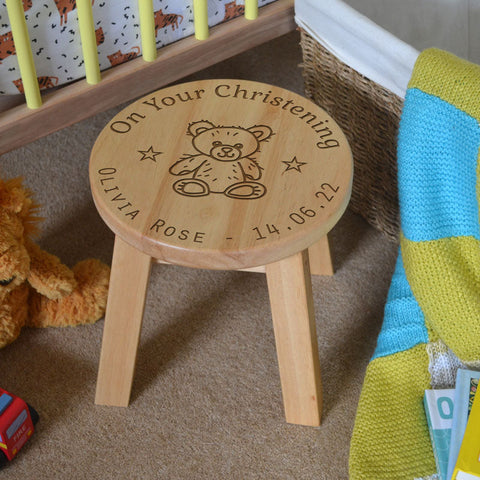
x: 221, y: 174
x: 218, y: 174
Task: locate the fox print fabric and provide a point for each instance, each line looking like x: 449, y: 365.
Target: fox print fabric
x: 55, y: 36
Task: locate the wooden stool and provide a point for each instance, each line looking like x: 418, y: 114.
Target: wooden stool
x: 221, y: 174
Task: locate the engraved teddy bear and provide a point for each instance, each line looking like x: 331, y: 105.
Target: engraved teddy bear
x: 223, y: 161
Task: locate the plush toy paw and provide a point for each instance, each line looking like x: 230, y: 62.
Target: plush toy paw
x: 47, y: 275
x: 13, y: 312
x: 85, y: 304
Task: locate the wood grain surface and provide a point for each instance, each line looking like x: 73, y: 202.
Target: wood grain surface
x: 241, y: 172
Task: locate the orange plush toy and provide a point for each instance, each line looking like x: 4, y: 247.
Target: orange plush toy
x: 36, y: 289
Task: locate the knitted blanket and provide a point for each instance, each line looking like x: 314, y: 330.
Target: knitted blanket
x: 432, y: 315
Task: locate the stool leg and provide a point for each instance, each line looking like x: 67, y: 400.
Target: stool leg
x: 123, y: 321
x: 290, y: 289
x: 320, y: 258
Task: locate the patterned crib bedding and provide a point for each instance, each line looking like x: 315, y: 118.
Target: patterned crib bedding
x: 55, y: 37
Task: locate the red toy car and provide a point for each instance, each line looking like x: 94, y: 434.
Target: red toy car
x: 17, y: 419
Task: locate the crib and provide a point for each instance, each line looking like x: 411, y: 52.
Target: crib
x: 45, y: 111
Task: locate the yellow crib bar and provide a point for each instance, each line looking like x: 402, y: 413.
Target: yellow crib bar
x: 251, y: 9
x: 89, y: 41
x: 200, y: 19
x: 24, y: 53
x: 147, y: 29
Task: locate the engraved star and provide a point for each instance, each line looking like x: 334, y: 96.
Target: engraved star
x: 294, y: 164
x: 149, y: 154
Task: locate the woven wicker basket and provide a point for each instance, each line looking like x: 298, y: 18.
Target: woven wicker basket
x: 369, y: 115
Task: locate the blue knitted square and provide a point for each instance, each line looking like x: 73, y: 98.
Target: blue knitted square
x: 437, y: 150
x: 404, y: 323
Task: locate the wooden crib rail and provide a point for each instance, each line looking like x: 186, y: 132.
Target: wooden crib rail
x: 75, y: 102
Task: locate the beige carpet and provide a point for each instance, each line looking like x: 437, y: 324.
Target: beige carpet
x: 206, y: 400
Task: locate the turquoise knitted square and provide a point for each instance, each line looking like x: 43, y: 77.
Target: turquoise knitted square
x: 437, y: 169
x: 404, y: 324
